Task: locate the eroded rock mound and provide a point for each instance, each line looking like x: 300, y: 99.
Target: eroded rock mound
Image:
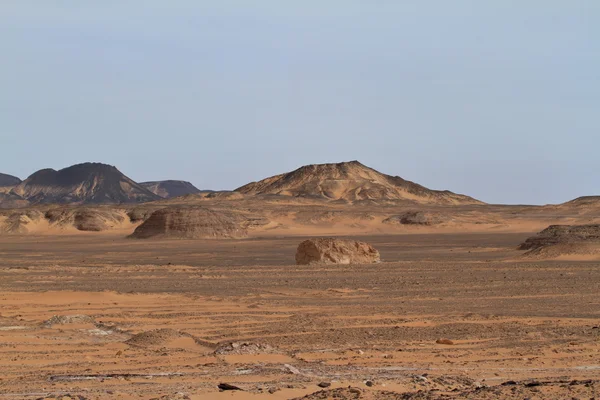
x: 191, y: 223
x: 91, y: 220
x: 335, y: 251
x: 416, y: 218
x: 557, y: 240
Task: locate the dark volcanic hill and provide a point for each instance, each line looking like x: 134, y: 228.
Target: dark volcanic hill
x: 169, y: 189
x: 350, y: 181
x: 8, y: 180
x: 88, y: 183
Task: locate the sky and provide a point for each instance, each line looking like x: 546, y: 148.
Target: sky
x: 496, y: 99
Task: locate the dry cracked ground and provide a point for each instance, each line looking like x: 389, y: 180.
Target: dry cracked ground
x: 444, y: 316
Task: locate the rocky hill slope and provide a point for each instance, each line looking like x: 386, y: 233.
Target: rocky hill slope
x: 8, y: 180
x: 170, y: 188
x: 351, y: 181
x: 88, y: 183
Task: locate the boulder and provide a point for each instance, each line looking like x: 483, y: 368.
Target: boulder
x: 335, y: 251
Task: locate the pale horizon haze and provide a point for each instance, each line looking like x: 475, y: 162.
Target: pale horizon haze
x: 499, y: 100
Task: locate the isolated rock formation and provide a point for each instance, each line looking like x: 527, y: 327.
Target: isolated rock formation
x: 416, y: 218
x: 191, y: 223
x: 350, y: 181
x: 170, y: 188
x: 8, y: 180
x: 557, y: 240
x: 335, y: 251
x: 88, y: 183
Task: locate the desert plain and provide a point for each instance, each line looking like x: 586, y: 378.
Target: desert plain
x: 200, y: 296
x: 100, y: 316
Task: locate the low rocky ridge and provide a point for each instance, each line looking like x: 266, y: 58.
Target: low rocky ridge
x: 416, y: 218
x: 350, y: 181
x: 335, y: 251
x: 191, y: 223
x: 88, y: 183
x: 557, y: 240
x: 86, y: 219
x: 23, y: 221
x: 170, y: 188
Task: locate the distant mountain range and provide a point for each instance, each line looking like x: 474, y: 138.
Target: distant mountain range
x: 96, y: 183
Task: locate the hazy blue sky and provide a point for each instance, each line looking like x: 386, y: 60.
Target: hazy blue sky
x: 496, y: 99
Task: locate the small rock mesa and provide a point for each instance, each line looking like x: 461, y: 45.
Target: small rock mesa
x: 335, y: 251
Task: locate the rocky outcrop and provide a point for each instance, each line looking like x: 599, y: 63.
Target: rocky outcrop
x: 90, y: 220
x: 563, y: 240
x: 350, y: 181
x: 561, y: 234
x: 335, y: 251
x: 191, y: 223
x: 416, y: 218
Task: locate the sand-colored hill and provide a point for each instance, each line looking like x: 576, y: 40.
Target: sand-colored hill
x: 170, y: 188
x: 350, y: 181
x: 88, y: 183
x: 8, y: 180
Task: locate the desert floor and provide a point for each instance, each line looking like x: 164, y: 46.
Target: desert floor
x: 72, y: 309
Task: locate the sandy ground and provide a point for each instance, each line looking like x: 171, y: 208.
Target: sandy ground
x: 100, y: 316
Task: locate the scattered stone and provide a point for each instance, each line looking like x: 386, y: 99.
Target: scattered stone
x: 241, y: 348
x: 445, y: 341
x: 369, y: 383
x: 324, y: 384
x: 292, y: 370
x: 68, y: 319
